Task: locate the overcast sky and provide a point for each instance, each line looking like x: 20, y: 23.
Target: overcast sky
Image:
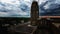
x: 21, y: 8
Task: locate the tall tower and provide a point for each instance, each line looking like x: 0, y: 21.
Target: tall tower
x: 34, y: 13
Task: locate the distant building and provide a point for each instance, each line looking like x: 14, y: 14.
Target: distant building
x: 34, y: 12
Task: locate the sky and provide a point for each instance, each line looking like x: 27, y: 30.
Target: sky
x: 14, y: 8
x: 21, y: 8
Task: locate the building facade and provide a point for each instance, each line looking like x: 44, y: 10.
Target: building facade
x: 34, y: 12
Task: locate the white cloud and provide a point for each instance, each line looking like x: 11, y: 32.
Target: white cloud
x: 41, y: 1
x: 13, y: 7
